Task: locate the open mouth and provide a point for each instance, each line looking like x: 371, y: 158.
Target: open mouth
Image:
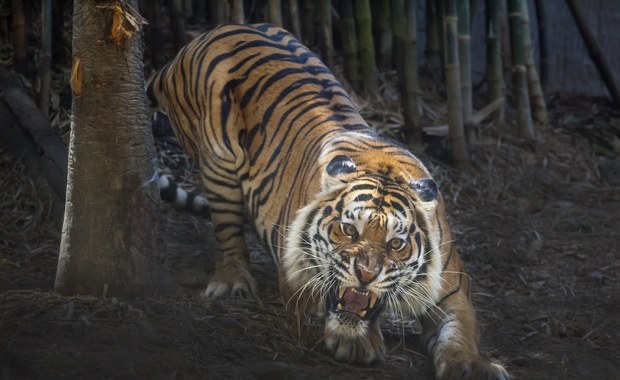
x: 361, y: 303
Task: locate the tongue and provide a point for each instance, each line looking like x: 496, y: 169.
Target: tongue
x: 354, y: 301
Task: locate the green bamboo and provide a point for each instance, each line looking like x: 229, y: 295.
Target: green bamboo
x: 349, y: 44
x: 453, y: 85
x: 523, y: 116
x: 368, y: 66
x: 327, y: 42
x: 409, y: 97
x: 465, y: 67
x: 537, y: 97
x: 384, y: 31
x: 494, y: 73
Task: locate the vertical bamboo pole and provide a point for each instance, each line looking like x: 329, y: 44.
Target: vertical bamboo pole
x: 366, y: 45
x: 433, y: 35
x: 409, y: 96
x: 495, y: 72
x: 384, y: 31
x: 177, y: 22
x: 349, y: 44
x: 465, y: 67
x: 293, y: 7
x: 397, y: 10
x: 519, y: 72
x: 307, y: 25
x: 45, y: 59
x: 537, y: 97
x: 453, y: 84
x: 327, y: 43
x: 275, y: 12
x: 19, y: 36
x: 237, y: 15
x: 543, y: 41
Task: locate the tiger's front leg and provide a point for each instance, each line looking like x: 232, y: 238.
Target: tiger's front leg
x: 451, y: 334
x: 232, y: 269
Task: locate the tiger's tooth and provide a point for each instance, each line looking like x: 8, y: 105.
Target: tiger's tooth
x: 362, y: 313
x: 373, y: 300
x: 339, y: 307
x: 341, y: 292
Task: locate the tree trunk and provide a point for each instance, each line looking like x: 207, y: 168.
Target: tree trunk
x: 495, y: 72
x: 111, y: 239
x: 409, y: 97
x: 519, y: 72
x: 154, y: 33
x: 307, y: 25
x: 368, y: 67
x: 465, y: 68
x: 537, y: 97
x: 453, y: 85
x: 327, y: 41
x: 349, y: 44
x: 397, y: 9
x: 434, y: 31
x: 19, y: 37
x: 384, y: 30
x: 177, y: 23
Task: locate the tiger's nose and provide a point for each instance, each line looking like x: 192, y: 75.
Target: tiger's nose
x: 367, y: 269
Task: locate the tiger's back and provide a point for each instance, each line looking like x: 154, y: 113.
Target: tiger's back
x: 354, y: 222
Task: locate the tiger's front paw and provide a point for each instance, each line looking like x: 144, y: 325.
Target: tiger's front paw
x: 234, y: 280
x: 352, y: 340
x: 473, y: 368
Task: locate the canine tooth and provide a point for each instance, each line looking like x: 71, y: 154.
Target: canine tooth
x: 373, y: 300
x: 362, y: 313
x: 339, y: 307
x: 341, y: 292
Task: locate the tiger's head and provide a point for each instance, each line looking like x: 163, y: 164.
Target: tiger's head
x: 368, y: 243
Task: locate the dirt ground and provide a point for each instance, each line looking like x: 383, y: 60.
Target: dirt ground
x: 538, y: 229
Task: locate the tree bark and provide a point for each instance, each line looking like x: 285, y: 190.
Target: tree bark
x: 519, y: 72
x: 453, y: 85
x: 111, y: 239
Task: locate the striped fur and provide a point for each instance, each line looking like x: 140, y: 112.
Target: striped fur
x: 355, y: 223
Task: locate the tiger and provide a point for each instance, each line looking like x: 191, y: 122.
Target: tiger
x: 354, y: 221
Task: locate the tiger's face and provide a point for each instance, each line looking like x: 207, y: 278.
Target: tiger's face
x: 361, y: 248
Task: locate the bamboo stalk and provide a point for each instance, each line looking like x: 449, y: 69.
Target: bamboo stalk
x: 453, y: 83
x: 537, y: 97
x: 327, y: 43
x: 495, y: 72
x: 293, y: 8
x: 596, y: 54
x: 434, y: 29
x: 349, y: 44
x: 237, y: 14
x: 523, y: 116
x: 397, y: 10
x: 177, y: 22
x: 409, y: 97
x: 275, y: 12
x: 45, y: 59
x: 19, y: 36
x: 465, y: 67
x: 384, y: 31
x: 543, y: 41
x: 307, y: 25
x: 368, y: 66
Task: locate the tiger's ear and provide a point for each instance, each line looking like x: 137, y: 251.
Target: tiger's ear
x: 426, y: 189
x: 337, y: 171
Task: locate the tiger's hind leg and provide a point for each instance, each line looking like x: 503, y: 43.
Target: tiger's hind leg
x: 232, y: 269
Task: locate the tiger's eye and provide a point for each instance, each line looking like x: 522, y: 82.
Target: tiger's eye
x: 348, y: 229
x: 397, y: 244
